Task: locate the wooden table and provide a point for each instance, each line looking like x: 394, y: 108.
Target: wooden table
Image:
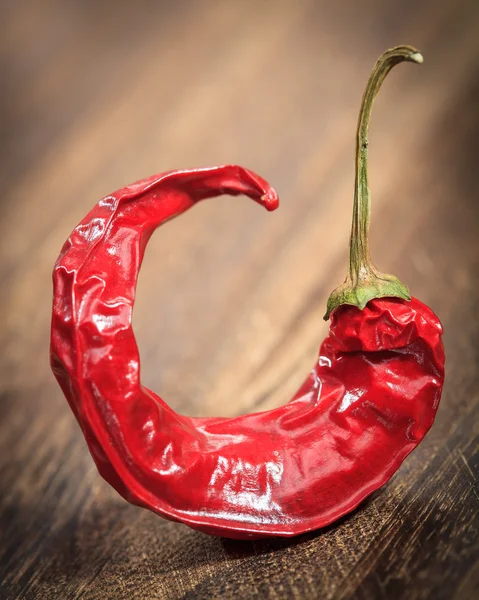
x: 230, y: 298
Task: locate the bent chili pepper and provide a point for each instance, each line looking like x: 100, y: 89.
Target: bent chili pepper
x: 369, y: 400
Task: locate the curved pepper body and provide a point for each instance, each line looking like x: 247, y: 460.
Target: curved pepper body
x: 369, y: 400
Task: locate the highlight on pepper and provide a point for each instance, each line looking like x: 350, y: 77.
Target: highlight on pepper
x: 283, y: 472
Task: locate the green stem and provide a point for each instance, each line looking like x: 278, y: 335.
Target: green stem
x: 363, y: 281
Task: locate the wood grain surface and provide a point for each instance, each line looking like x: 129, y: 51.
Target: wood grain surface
x: 228, y: 319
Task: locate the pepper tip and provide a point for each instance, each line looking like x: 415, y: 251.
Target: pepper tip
x: 270, y: 199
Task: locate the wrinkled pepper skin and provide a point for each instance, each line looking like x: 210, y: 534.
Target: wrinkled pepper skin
x: 369, y: 400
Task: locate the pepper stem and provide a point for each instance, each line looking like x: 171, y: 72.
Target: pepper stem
x: 363, y: 281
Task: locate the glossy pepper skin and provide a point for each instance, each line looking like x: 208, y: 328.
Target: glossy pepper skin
x: 369, y: 400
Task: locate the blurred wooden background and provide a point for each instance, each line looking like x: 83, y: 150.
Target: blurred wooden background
x: 98, y: 94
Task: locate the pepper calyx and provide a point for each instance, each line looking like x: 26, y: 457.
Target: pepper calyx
x: 369, y: 286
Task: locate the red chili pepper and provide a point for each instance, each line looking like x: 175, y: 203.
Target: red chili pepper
x: 369, y: 400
